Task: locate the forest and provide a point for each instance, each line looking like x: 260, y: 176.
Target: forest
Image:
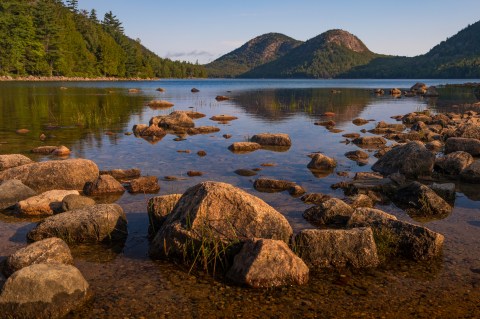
x: 52, y: 38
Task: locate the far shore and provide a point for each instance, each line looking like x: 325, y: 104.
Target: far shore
x: 32, y: 78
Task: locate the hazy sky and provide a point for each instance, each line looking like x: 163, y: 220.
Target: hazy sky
x: 203, y: 30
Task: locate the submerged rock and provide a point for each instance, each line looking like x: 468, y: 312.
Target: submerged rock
x: 158, y: 209
x: 13, y: 160
x: 360, y: 121
x: 369, y: 140
x: 269, y: 139
x: 47, y: 251
x: 245, y: 172
x: 99, y: 223
x: 213, y: 213
x: 453, y: 163
x: 332, y: 212
x: 202, y: 130
x: 64, y: 174
x: 265, y: 263
x: 337, y: 248
x: 244, y: 147
x: 160, y: 104
x: 411, y: 160
x: 223, y: 118
x: 47, y: 203
x: 44, y: 291
x: 13, y: 191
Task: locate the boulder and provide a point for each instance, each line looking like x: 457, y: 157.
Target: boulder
x: 71, y: 202
x: 244, y: 147
x: 361, y: 200
x: 123, y: 174
x: 453, y: 163
x: 144, y: 184
x: 337, y: 248
x: 138, y: 129
x: 13, y: 160
x: 468, y: 130
x: 411, y: 160
x: 358, y: 156
x: 315, y: 198
x: 457, y: 144
x: 369, y: 140
x: 44, y: 291
x: 153, y: 131
x: 61, y: 151
x: 213, y: 213
x: 47, y: 203
x: 420, y: 201
x: 105, y: 184
x: 99, y: 223
x: 419, y: 86
x: 398, y: 238
x: 158, y: 208
x: 268, y: 185
x: 395, y: 91
x: 13, y: 191
x: 173, y: 120
x: 194, y: 90
x: 63, y: 174
x: 268, y: 139
x: 471, y: 173
x: 332, y: 212
x: 445, y: 191
x: 48, y: 251
x: 434, y: 146
x: 222, y: 98
x: 265, y: 263
x: 320, y: 162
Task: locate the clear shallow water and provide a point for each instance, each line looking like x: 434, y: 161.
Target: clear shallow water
x: 80, y: 116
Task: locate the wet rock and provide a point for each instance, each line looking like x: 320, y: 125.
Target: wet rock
x: 445, y: 191
x: 105, y: 184
x: 358, y: 156
x: 47, y: 251
x: 245, y: 172
x: 71, y: 202
x: 265, y: 263
x: 315, y: 198
x: 202, y: 153
x: 398, y: 238
x: 391, y: 126
x: 453, y: 163
x: 122, y: 174
x: 138, y: 129
x: 44, y: 291
x: 13, y: 191
x: 158, y: 209
x: 194, y: 90
x: 360, y: 121
x: 334, y: 130
x: 330, y: 212
x: 47, y: 203
x: 471, y: 173
x: 61, y: 151
x: 44, y: 150
x: 395, y: 91
x: 226, y: 136
x: 369, y: 140
x: 63, y: 174
x: 223, y: 118
x: 328, y: 114
x: 222, y: 98
x: 419, y: 86
x: 381, y: 152
x: 413, y: 118
x: 420, y: 201
x: 153, y: 131
x: 468, y: 130
x: 160, y: 104
x: 193, y: 114
x: 13, y: 160
x: 411, y: 160
x: 244, y: 147
x: 379, y: 92
x: 469, y: 145
x: 268, y: 185
x: 145, y: 184
x: 160, y: 90
x: 202, y: 130
x: 173, y: 120
x: 351, y: 135
x: 434, y: 146
x: 194, y: 173
x: 268, y: 139
x: 322, y: 162
x: 212, y: 213
x: 337, y: 248
x: 361, y: 200
x: 99, y: 223
x: 326, y: 123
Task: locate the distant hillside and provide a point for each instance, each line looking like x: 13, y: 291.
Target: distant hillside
x: 325, y: 56
x: 260, y: 50
x: 457, y: 57
x: 49, y: 38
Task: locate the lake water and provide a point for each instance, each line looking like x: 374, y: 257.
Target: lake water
x: 128, y: 284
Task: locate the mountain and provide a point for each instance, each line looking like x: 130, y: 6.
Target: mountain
x: 260, y: 50
x: 49, y: 38
x: 457, y: 57
x: 325, y: 56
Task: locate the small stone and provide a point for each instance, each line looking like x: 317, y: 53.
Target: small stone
x: 22, y: 131
x: 244, y: 147
x: 245, y: 172
x: 194, y: 173
x: 202, y: 153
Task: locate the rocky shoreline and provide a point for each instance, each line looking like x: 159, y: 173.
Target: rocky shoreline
x: 221, y: 228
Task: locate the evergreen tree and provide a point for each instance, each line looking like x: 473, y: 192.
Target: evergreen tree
x: 72, y: 5
x: 93, y: 15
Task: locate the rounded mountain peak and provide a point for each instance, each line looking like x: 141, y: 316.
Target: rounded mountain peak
x: 344, y: 39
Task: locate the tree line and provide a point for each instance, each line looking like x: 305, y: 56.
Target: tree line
x: 52, y: 38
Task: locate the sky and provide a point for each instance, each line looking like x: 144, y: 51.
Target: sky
x: 204, y: 30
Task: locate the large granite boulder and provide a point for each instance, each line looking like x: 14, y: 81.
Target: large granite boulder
x: 47, y: 203
x: 48, y: 251
x: 62, y: 174
x: 453, y: 163
x: 265, y: 263
x: 469, y: 145
x: 13, y: 160
x: 411, y: 160
x: 13, y: 191
x: 99, y: 223
x: 159, y: 207
x: 333, y: 211
x: 212, y: 213
x: 397, y: 238
x: 337, y: 248
x: 43, y: 291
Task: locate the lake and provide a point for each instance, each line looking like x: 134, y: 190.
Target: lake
x: 90, y: 118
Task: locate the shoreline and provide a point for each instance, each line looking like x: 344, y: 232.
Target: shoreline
x: 32, y: 78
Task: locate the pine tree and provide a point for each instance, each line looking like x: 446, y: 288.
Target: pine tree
x: 73, y: 5
x: 93, y: 15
